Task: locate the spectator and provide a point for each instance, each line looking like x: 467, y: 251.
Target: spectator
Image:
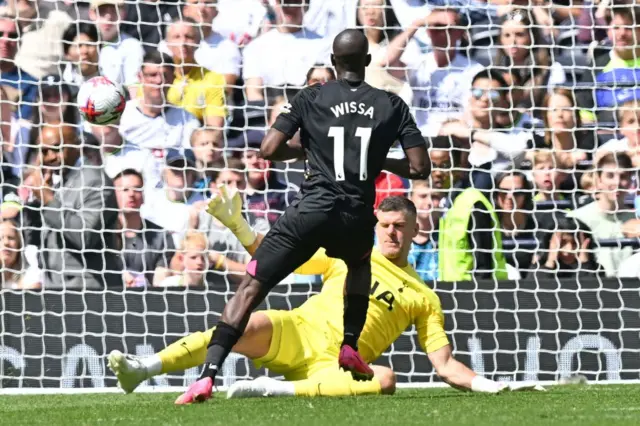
x: 20, y: 87
x: 472, y: 232
x: 150, y: 124
x: 424, y: 250
x: 442, y: 80
x: 477, y: 12
x: 281, y: 56
x: 170, y: 204
x: 524, y: 52
x: 551, y: 200
x: 548, y: 174
x: 121, y: 55
x: 446, y: 172
x: 329, y: 17
x: 629, y: 119
x: 80, y: 43
x: 17, y: 272
x: 566, y: 252
x: 216, y: 52
x: 607, y: 217
x: 266, y: 195
x: 146, y: 20
x: 40, y: 31
x: 197, y: 90
x: 192, y: 257
x: 147, y: 249
x: 80, y: 249
x: 206, y: 145
x: 564, y: 131
x: 470, y: 241
x: 613, y: 69
x: 318, y: 74
x: 407, y: 10
x: 113, y: 150
x: 240, y: 20
x: 54, y: 108
x: 388, y: 61
x: 495, y: 144
x: 514, y: 203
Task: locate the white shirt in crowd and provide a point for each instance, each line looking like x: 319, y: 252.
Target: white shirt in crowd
x: 216, y: 53
x: 408, y: 11
x: 152, y: 136
x: 171, y: 129
x: 557, y: 76
x: 30, y: 275
x: 121, y: 61
x: 329, y: 17
x: 173, y: 217
x: 439, y: 94
x: 237, y: 18
x: 615, y: 145
x: 605, y: 225
x: 284, y: 58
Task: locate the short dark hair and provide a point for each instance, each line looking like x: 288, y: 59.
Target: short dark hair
x: 491, y: 74
x: 184, y: 19
x: 398, y: 203
x: 619, y: 159
x: 234, y: 165
x: 156, y: 58
x: 73, y: 30
x: 129, y: 172
x: 445, y: 143
x: 625, y: 8
x: 318, y: 66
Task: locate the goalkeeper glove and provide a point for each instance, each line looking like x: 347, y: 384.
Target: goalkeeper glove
x: 482, y: 384
x: 226, y: 206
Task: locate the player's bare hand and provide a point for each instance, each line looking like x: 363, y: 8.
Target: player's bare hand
x: 226, y: 206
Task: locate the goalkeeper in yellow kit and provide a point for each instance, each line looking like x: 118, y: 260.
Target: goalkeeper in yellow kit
x: 303, y: 344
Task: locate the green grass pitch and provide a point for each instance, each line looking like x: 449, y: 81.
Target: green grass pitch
x: 566, y: 405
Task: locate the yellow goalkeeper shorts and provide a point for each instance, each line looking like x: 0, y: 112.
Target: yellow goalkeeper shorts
x: 301, y: 348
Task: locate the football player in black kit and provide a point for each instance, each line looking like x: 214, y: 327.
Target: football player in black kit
x: 346, y: 129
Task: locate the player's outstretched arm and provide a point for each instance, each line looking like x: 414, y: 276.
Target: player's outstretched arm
x: 459, y: 376
x: 226, y: 206
x: 275, y: 147
x: 416, y: 165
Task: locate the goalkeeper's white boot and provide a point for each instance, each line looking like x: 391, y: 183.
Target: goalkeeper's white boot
x: 129, y: 369
x: 260, y: 387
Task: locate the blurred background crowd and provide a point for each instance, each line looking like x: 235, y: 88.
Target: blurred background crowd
x: 530, y: 109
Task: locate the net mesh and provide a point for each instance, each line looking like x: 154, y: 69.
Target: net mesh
x: 106, y: 243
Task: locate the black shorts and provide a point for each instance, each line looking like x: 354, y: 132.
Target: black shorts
x: 345, y: 234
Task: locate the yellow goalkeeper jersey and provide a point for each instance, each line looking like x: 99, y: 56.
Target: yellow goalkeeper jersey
x: 398, y: 299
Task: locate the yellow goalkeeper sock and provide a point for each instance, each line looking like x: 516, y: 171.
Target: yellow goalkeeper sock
x: 342, y: 386
x: 187, y: 352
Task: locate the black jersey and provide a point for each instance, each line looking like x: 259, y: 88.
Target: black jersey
x: 346, y: 130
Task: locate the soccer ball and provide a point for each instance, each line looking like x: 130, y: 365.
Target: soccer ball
x: 101, y: 101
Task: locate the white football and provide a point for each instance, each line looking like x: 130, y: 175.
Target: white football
x: 101, y: 101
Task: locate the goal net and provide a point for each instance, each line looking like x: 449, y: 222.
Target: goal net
x: 527, y: 226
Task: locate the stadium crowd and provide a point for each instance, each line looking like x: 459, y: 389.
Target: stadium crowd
x: 530, y: 109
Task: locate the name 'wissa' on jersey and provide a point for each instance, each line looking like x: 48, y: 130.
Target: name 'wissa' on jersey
x: 352, y: 108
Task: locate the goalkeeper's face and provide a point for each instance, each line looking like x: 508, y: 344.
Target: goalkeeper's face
x: 395, y: 232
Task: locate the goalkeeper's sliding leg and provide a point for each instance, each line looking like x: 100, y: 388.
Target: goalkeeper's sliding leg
x: 283, y: 341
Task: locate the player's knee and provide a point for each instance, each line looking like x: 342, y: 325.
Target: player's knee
x: 387, y: 379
